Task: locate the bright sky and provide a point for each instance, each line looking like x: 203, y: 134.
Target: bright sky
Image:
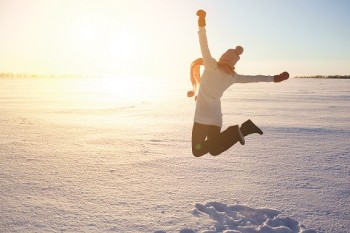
x: 159, y: 37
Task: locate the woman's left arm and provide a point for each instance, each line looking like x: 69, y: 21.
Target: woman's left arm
x: 238, y: 78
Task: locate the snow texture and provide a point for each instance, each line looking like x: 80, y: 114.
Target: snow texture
x: 82, y: 155
x: 243, y: 219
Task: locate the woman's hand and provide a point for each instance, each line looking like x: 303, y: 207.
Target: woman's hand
x: 281, y: 77
x: 201, y: 18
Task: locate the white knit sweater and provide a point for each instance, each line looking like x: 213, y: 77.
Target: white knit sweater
x: 213, y: 84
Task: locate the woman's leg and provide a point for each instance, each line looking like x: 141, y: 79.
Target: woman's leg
x: 200, y: 133
x: 208, y: 139
x: 225, y: 140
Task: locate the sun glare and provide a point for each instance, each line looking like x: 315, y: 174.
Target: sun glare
x: 111, y: 48
x: 120, y: 91
x: 122, y: 45
x: 102, y: 41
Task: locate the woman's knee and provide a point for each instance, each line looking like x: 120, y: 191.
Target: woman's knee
x: 197, y: 153
x: 198, y: 149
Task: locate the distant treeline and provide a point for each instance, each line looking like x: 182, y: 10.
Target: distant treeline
x: 29, y: 75
x: 329, y: 76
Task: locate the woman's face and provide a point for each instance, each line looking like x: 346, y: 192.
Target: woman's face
x: 228, y: 69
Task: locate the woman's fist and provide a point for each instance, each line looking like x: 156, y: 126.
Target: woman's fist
x: 201, y: 18
x: 201, y: 13
x: 281, y: 77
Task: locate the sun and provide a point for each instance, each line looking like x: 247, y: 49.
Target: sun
x: 103, y: 41
x: 110, y: 50
x: 122, y: 45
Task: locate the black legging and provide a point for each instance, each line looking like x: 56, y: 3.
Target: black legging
x: 209, y: 139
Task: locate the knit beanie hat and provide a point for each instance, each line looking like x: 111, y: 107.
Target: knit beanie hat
x: 231, y: 56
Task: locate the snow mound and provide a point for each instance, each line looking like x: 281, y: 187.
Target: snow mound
x: 243, y: 219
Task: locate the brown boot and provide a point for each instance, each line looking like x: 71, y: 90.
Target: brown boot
x: 249, y: 127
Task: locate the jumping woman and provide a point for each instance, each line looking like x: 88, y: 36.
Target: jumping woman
x: 216, y: 78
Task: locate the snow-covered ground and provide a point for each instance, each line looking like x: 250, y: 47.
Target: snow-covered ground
x: 77, y: 157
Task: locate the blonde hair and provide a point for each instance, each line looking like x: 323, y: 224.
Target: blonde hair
x: 195, y: 76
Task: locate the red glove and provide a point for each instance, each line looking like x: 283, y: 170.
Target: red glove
x: 201, y: 18
x: 281, y: 77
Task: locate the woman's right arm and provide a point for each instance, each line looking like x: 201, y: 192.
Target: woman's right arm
x: 209, y: 61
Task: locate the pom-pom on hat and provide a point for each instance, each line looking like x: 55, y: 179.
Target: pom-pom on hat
x: 231, y: 56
